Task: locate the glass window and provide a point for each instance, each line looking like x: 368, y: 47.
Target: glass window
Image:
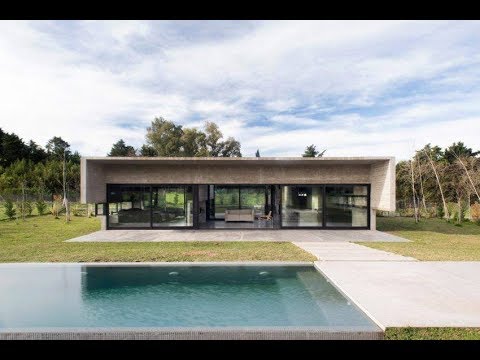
x: 302, y: 206
x: 226, y: 197
x: 239, y: 197
x: 100, y: 209
x: 346, y: 206
x: 253, y: 197
x: 172, y: 206
x: 129, y: 206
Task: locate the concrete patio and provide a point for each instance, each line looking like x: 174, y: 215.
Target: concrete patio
x: 346, y: 251
x: 238, y: 235
x: 410, y: 293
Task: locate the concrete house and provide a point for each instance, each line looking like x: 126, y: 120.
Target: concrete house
x: 233, y: 193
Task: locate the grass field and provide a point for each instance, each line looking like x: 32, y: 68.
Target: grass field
x: 432, y: 239
x: 432, y: 333
x: 41, y: 239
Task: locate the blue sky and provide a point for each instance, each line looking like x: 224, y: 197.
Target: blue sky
x: 351, y: 87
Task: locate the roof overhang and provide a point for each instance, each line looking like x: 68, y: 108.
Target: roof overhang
x: 238, y: 160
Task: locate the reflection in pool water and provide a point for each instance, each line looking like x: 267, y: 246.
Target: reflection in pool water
x: 41, y: 296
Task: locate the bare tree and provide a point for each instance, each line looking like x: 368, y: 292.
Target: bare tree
x: 421, y: 182
x: 415, y: 208
x: 467, y: 173
x: 445, y: 208
x: 65, y: 199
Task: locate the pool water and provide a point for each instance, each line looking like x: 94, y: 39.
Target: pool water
x: 74, y: 296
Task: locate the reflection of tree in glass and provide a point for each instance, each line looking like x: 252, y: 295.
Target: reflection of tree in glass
x: 175, y: 199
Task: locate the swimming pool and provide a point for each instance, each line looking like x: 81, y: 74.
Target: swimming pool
x: 174, y: 299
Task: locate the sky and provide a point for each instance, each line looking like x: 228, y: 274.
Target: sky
x: 354, y: 88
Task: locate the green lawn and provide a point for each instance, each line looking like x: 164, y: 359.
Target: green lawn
x: 432, y: 333
x: 41, y: 239
x: 432, y: 239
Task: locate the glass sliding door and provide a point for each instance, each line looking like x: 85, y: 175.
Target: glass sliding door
x: 145, y: 206
x: 253, y: 197
x: 302, y: 206
x: 226, y: 197
x: 129, y: 206
x: 172, y: 206
x: 346, y: 206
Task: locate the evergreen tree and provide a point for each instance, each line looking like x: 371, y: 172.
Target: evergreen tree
x: 310, y: 151
x: 257, y: 153
x: 146, y: 150
x: 56, y: 147
x: 121, y: 149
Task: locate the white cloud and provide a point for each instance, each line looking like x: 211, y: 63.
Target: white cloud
x: 357, y: 88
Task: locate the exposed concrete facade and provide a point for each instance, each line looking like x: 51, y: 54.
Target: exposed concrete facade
x: 379, y: 172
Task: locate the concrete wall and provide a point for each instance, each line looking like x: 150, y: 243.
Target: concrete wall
x: 92, y: 182
x: 382, y: 180
x: 380, y: 174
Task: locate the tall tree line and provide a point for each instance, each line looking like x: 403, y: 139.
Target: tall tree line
x: 36, y: 170
x: 440, y: 182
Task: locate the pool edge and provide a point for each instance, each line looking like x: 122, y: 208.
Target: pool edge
x: 192, y: 334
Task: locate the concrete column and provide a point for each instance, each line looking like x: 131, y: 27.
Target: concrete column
x: 373, y: 219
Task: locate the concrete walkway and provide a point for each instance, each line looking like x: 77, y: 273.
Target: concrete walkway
x: 238, y: 235
x: 411, y: 293
x: 345, y: 251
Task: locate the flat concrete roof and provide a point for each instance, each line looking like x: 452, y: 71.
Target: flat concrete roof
x: 360, y: 160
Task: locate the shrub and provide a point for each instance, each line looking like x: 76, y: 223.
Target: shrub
x: 78, y: 210
x: 41, y: 206
x: 429, y: 213
x: 27, y: 208
x: 452, y: 210
x: 24, y: 208
x: 408, y: 212
x: 475, y: 213
x: 9, y: 210
x: 440, y: 212
x: 56, y: 205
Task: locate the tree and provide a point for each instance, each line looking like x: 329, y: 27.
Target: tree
x: 74, y: 158
x: 16, y: 179
x: 2, y: 134
x: 56, y: 147
x: 415, y: 208
x: 426, y: 150
x: 35, y: 152
x: 461, y: 160
x: 213, y: 136
x: 230, y: 148
x: 121, y: 149
x: 12, y: 149
x: 257, y: 153
x: 194, y: 143
x: 8, y: 209
x: 148, y: 151
x: 165, y: 137
x: 458, y: 149
x: 310, y: 151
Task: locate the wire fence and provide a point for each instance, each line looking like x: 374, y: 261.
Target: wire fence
x: 32, y: 195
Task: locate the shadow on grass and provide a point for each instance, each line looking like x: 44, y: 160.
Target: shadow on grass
x: 432, y: 225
